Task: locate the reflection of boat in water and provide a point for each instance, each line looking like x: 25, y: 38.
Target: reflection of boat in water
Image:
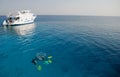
x: 23, y: 29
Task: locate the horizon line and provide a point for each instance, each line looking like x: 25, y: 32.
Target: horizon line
x: 72, y: 15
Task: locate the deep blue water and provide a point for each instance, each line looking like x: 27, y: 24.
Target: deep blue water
x: 81, y: 46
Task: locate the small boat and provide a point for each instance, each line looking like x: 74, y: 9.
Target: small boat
x: 20, y: 17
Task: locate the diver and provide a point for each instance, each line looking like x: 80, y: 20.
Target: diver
x: 41, y: 57
x: 38, y: 58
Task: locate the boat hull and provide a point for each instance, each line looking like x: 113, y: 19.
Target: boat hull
x: 8, y: 24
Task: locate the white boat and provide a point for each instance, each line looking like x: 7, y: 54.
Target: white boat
x: 20, y: 17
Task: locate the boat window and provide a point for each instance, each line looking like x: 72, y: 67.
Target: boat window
x: 17, y: 18
x: 9, y: 18
x: 23, y: 12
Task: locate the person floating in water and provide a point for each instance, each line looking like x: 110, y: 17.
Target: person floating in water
x: 38, y: 57
x: 41, y: 57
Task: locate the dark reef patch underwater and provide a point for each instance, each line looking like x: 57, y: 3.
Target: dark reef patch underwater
x: 81, y: 46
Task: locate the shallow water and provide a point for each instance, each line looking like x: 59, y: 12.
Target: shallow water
x: 81, y: 46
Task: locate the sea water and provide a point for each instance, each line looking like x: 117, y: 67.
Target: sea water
x: 81, y: 46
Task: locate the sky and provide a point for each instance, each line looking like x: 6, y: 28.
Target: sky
x: 63, y: 7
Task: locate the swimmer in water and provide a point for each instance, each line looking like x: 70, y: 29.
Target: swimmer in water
x: 38, y: 58
x: 41, y: 57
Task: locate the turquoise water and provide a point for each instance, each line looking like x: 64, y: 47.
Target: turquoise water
x: 81, y: 46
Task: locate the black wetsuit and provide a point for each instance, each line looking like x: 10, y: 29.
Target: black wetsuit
x: 34, y: 61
